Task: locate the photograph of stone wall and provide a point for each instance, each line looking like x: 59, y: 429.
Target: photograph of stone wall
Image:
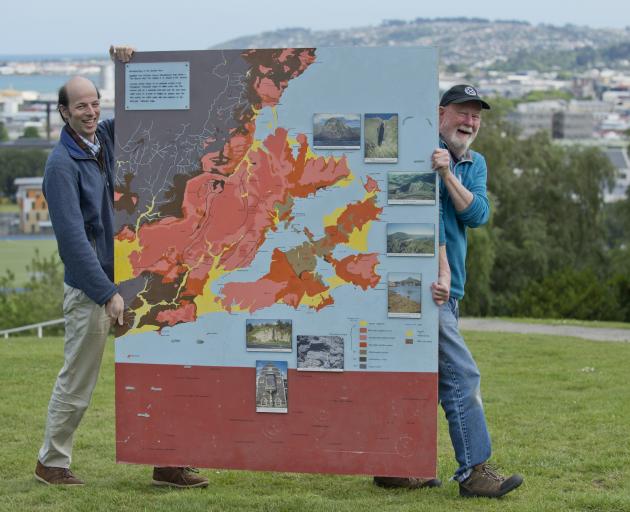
x: 268, y: 335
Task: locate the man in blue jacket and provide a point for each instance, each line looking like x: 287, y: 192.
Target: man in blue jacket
x: 464, y: 205
x: 78, y: 186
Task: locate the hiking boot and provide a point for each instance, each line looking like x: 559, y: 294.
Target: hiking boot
x: 485, y: 481
x: 56, y: 476
x: 394, y: 482
x: 182, y: 478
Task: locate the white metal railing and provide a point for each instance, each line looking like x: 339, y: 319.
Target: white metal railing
x: 40, y: 328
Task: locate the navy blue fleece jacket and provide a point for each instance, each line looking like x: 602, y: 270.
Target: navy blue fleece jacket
x: 79, y: 192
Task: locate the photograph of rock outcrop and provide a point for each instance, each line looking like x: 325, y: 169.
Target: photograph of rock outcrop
x: 268, y: 335
x: 337, y: 131
x: 320, y: 353
x: 380, y: 134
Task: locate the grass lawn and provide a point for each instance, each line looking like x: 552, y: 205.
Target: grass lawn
x: 9, y: 208
x: 16, y: 254
x: 558, y: 409
x: 568, y: 321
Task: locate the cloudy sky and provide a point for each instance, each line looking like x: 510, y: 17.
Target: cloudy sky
x: 72, y: 26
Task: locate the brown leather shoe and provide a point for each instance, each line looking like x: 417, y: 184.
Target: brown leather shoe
x: 485, y: 481
x: 394, y: 482
x: 56, y: 476
x: 182, y: 478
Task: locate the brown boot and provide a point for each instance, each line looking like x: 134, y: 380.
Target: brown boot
x: 55, y: 476
x: 394, y: 482
x: 182, y: 478
x: 485, y: 481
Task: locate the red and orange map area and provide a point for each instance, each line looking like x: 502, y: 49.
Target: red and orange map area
x: 217, y: 209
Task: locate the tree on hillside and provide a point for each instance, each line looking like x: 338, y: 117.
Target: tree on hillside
x: 19, y: 163
x: 4, y: 133
x: 547, y: 217
x: 40, y: 300
x: 30, y: 132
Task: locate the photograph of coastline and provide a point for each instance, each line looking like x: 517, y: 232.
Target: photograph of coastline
x: 410, y: 239
x: 268, y: 335
x: 320, y: 353
x: 411, y: 187
x: 380, y: 133
x: 337, y: 131
x: 404, y: 295
x: 272, y: 387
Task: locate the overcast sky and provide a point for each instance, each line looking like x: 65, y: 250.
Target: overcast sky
x: 72, y: 26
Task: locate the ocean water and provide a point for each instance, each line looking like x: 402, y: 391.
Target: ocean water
x: 45, y: 84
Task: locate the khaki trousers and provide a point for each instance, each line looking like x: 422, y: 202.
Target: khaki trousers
x: 87, y: 326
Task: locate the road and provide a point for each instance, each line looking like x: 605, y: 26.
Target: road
x: 587, y: 333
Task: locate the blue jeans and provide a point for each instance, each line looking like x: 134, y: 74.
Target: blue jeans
x: 460, y: 394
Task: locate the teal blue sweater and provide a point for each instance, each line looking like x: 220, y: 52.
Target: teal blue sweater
x: 471, y: 171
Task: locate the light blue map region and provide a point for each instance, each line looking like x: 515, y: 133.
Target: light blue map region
x: 342, y: 80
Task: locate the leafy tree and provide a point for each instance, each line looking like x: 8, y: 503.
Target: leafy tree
x: 30, y: 132
x: 40, y: 300
x: 4, y: 133
x: 548, y: 220
x: 19, y: 163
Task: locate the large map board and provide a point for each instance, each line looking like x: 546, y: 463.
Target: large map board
x: 276, y: 238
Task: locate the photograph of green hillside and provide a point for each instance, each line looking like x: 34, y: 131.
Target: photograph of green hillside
x: 410, y: 239
x: 268, y: 335
x: 411, y: 187
x: 380, y: 132
x: 404, y: 295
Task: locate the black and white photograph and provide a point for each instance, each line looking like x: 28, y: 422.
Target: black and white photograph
x: 404, y: 295
x: 410, y: 239
x: 411, y: 188
x: 272, y: 387
x: 380, y: 135
x: 268, y: 335
x: 320, y: 353
x: 337, y: 131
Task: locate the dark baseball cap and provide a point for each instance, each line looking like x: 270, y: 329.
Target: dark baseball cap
x: 461, y: 94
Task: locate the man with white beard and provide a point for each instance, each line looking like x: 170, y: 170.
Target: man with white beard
x: 464, y: 204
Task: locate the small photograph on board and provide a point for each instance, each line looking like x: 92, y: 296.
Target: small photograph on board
x: 268, y: 335
x: 319, y: 353
x: 411, y: 187
x: 380, y: 134
x: 404, y: 295
x: 337, y: 131
x: 410, y: 239
x: 271, y: 386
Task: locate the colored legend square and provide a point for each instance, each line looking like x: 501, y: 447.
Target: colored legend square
x: 409, y: 341
x: 363, y: 366
x: 363, y: 337
x: 363, y: 329
x: 409, y: 333
x: 363, y: 323
x: 362, y: 359
x: 363, y: 352
x: 363, y: 344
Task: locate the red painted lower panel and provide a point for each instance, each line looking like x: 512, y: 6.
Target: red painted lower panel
x: 371, y: 423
